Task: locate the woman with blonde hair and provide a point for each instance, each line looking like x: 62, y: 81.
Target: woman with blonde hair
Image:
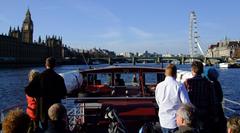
x: 32, y: 101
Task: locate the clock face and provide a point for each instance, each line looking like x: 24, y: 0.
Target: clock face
x: 25, y: 27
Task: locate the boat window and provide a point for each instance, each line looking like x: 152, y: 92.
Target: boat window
x: 130, y: 79
x: 152, y: 78
x: 105, y: 78
x: 94, y: 79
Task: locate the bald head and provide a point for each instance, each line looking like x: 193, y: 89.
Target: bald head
x: 171, y: 70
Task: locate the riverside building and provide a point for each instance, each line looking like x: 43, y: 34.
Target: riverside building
x: 18, y: 47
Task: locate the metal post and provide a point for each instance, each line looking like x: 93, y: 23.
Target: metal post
x: 158, y: 60
x: 110, y: 61
x: 134, y: 61
x: 183, y: 60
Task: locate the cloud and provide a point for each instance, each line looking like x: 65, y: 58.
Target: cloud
x: 140, y: 32
x: 96, y: 11
x: 110, y: 34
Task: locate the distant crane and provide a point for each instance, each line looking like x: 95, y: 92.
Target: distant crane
x: 194, y: 45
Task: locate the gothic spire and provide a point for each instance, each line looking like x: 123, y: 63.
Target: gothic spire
x: 10, y: 31
x: 28, y: 13
x: 28, y: 17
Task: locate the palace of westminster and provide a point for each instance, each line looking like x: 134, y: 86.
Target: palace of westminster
x: 18, y: 47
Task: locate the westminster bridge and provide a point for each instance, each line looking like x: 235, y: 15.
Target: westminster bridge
x: 180, y: 59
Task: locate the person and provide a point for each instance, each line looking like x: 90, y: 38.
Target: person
x: 233, y: 124
x: 119, y: 81
x: 220, y: 120
x: 169, y: 95
x: 58, y: 119
x: 50, y: 89
x: 202, y: 96
x: 134, y: 80
x: 32, y: 102
x: 16, y: 121
x: 185, y: 119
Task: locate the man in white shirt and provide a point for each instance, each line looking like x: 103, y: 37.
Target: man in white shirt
x: 169, y: 95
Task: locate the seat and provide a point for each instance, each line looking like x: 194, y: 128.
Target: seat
x: 119, y: 91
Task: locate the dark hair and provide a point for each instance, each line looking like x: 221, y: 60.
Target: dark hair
x: 197, y: 67
x: 51, y: 62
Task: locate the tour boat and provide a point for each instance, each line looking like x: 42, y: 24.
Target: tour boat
x: 132, y: 102
x: 96, y: 102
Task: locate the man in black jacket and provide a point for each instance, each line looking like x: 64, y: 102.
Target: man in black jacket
x: 49, y: 88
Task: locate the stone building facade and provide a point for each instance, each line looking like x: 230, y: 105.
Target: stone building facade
x: 226, y: 48
x: 18, y: 47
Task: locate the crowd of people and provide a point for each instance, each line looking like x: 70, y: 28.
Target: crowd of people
x: 192, y: 107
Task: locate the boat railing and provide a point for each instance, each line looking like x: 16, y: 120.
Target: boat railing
x: 76, y: 107
x: 231, y: 107
x: 4, y: 111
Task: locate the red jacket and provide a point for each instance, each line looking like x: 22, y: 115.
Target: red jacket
x: 31, y: 107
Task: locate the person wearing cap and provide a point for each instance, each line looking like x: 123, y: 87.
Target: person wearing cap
x: 220, y: 120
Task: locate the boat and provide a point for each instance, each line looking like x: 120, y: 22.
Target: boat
x: 224, y: 65
x: 230, y: 65
x: 237, y: 62
x: 132, y: 102
x: 96, y: 102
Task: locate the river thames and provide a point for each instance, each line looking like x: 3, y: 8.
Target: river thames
x: 13, y: 81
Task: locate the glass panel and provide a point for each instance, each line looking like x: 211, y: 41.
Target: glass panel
x: 150, y: 78
x: 130, y: 79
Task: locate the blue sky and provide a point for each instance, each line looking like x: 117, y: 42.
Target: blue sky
x: 126, y: 25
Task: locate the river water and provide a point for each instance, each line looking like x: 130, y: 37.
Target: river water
x: 13, y: 80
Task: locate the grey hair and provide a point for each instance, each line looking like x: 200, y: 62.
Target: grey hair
x: 57, y: 112
x: 186, y: 111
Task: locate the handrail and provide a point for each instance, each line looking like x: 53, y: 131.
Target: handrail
x: 111, y: 98
x: 234, y: 102
x: 230, y: 109
x: 12, y: 107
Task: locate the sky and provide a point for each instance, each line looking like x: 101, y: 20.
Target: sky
x: 160, y: 26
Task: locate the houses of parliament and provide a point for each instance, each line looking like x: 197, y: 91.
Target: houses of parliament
x: 18, y: 47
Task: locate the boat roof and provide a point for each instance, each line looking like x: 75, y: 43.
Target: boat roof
x: 123, y: 69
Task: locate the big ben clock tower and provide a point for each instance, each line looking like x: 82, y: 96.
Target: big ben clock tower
x: 27, y: 28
